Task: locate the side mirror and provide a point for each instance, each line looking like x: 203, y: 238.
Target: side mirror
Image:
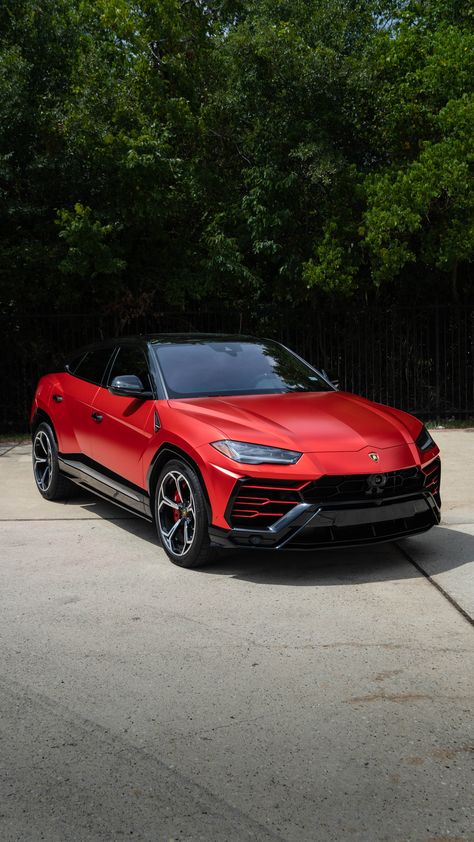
x: 129, y: 386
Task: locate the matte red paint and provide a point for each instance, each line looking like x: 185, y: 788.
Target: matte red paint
x: 335, y: 431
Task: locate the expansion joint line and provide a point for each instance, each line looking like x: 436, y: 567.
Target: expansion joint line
x: 438, y: 587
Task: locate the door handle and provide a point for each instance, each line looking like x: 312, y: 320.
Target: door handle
x: 57, y: 398
x: 96, y: 417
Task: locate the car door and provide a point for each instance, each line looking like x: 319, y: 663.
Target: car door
x: 78, y: 387
x: 126, y: 424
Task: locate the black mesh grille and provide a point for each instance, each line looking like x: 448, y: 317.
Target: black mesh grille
x: 366, y: 487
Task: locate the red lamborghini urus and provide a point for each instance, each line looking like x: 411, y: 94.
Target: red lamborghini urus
x: 231, y: 441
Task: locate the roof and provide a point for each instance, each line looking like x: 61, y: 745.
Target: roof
x: 168, y: 338
x: 197, y: 337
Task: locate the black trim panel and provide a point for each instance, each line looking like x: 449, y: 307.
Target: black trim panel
x: 91, y: 475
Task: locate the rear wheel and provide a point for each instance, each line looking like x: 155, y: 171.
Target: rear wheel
x: 51, y: 484
x: 181, y: 516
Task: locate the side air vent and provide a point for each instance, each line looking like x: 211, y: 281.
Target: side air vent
x: 432, y: 478
x: 257, y: 504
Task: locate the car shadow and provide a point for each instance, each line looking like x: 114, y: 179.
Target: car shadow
x: 94, y: 505
x: 439, y: 550
x: 445, y: 549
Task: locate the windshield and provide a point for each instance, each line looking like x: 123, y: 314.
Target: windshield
x: 195, y: 369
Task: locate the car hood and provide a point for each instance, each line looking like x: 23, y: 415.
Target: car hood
x: 306, y: 421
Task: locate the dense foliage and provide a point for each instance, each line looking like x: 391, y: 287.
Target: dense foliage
x: 159, y: 151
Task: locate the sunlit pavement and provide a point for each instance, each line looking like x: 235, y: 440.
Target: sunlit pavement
x: 288, y: 697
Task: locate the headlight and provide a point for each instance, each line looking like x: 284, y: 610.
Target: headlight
x: 424, y: 440
x: 256, y: 454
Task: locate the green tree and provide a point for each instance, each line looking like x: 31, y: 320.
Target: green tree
x: 420, y: 195
x: 282, y: 128
x: 162, y: 151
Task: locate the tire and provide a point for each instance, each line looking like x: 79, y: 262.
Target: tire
x: 181, y: 515
x: 50, y: 482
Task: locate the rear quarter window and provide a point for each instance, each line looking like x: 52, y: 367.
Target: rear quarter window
x: 73, y: 363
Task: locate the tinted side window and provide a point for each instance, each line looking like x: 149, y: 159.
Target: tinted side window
x: 131, y: 360
x: 93, y: 364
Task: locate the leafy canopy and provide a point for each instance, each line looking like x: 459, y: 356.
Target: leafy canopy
x: 286, y: 150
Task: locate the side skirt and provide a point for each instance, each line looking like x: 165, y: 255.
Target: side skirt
x: 92, y: 476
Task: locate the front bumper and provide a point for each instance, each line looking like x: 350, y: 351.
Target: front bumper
x: 308, y: 526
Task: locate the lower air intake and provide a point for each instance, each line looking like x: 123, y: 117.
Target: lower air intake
x: 257, y: 504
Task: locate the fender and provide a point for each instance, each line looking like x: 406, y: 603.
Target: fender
x: 166, y: 452
x: 44, y: 408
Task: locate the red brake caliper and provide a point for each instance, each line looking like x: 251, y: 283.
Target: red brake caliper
x: 176, y: 512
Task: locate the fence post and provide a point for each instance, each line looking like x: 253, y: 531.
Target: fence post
x: 437, y: 362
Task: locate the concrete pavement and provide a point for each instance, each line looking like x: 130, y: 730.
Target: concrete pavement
x: 296, y: 697
x: 447, y: 554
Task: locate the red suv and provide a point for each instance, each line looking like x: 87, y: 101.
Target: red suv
x: 232, y: 441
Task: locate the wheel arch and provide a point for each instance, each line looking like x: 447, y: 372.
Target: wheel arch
x: 38, y: 418
x: 165, y: 453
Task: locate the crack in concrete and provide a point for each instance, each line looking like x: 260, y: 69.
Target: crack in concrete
x: 438, y: 754
x: 436, y: 585
x: 389, y: 697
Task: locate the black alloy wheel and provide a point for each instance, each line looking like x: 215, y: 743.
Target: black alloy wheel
x: 181, y: 515
x: 51, y: 484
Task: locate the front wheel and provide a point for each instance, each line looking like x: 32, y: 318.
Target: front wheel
x: 181, y: 516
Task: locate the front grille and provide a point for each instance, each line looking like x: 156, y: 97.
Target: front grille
x: 363, y: 487
x: 259, y: 503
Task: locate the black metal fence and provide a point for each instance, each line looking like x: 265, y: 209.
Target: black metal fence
x: 419, y: 359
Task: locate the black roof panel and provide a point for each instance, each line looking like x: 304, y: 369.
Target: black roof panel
x: 197, y: 337
x: 166, y: 338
